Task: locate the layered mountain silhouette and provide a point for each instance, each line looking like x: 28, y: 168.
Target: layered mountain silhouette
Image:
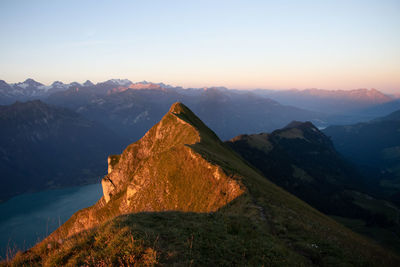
x: 180, y: 196
x: 329, y: 101
x: 43, y: 146
x: 375, y: 147
x: 382, y: 109
x: 131, y: 108
x: 357, y: 104
x: 132, y: 111
x: 302, y: 160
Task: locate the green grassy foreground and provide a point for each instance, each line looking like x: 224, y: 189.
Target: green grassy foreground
x: 189, y: 239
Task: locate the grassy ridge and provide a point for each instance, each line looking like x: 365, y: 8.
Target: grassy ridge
x: 169, y: 238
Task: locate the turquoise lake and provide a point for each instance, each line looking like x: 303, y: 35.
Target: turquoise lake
x: 28, y: 218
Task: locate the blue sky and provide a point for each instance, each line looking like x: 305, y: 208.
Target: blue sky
x: 238, y: 44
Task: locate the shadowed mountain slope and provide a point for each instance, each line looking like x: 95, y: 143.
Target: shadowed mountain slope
x: 375, y: 147
x: 181, y: 196
x: 42, y: 146
x: 302, y: 160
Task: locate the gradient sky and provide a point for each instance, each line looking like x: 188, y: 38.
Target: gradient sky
x: 239, y: 44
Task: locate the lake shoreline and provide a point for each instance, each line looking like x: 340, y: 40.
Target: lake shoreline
x: 27, y: 218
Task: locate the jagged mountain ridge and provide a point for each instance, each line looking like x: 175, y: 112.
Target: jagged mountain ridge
x: 330, y: 101
x: 226, y: 206
x: 36, y: 141
x: 31, y: 89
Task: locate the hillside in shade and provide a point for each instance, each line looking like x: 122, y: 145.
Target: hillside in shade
x: 374, y: 146
x: 43, y: 146
x: 179, y: 196
x: 302, y: 160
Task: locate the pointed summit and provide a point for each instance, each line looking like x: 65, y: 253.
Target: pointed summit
x: 184, y: 113
x: 88, y: 83
x: 178, y: 108
x: 32, y: 82
x: 4, y: 84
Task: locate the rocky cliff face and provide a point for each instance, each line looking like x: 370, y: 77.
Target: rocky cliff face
x: 151, y: 173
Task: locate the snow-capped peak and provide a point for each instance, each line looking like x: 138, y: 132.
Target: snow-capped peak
x: 57, y: 84
x: 32, y: 82
x: 74, y: 84
x: 120, y: 82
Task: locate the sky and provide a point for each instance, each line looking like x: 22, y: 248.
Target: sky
x: 238, y: 44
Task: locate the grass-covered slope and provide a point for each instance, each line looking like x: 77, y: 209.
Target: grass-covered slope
x: 303, y: 161
x: 258, y: 223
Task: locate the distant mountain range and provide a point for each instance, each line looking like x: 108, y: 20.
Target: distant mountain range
x: 133, y: 109
x: 31, y: 89
x: 43, y: 146
x: 28, y: 90
x: 361, y: 104
x: 330, y: 101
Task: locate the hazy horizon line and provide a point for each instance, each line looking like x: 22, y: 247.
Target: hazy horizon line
x: 207, y: 86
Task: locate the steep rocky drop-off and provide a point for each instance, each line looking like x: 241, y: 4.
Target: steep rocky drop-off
x: 179, y: 196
